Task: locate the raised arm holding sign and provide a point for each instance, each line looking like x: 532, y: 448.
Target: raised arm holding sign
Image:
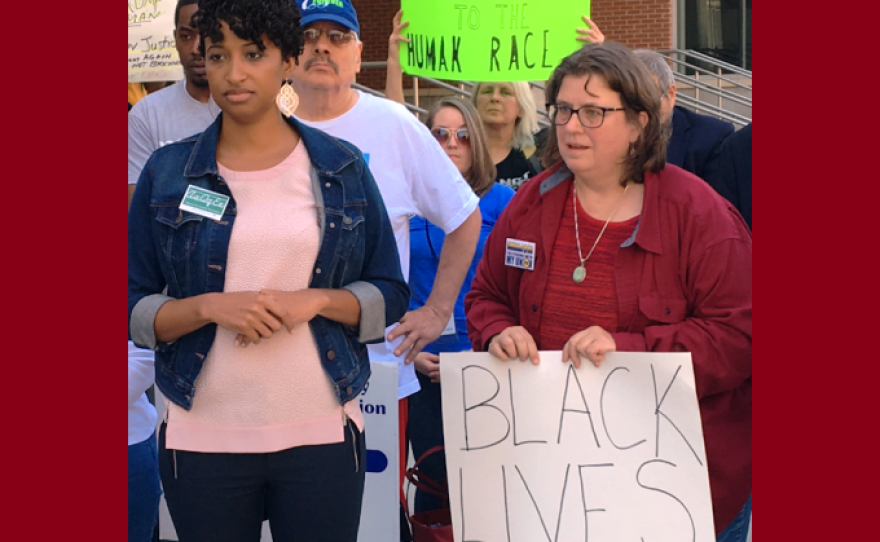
x: 394, y: 74
x: 483, y: 40
x: 510, y: 124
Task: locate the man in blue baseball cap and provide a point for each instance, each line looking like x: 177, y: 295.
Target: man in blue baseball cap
x: 412, y: 171
x: 414, y: 175
x: 338, y: 11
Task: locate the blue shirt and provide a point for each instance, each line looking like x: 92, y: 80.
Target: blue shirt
x: 426, y: 243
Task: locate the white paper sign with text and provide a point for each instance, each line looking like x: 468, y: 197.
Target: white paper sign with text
x: 560, y: 454
x: 380, y: 515
x: 152, y: 55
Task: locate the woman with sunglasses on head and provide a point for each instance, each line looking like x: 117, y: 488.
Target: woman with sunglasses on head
x: 507, y: 110
x: 631, y: 254
x: 456, y: 126
x: 274, y: 246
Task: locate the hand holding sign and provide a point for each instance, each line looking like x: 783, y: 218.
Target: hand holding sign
x: 591, y: 34
x: 592, y: 343
x: 395, y: 38
x: 514, y: 342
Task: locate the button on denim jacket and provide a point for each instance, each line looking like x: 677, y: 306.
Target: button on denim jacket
x: 186, y: 253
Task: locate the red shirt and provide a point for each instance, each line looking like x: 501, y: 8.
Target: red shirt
x: 684, y: 283
x: 598, y: 286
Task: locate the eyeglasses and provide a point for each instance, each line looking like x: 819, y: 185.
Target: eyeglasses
x: 591, y: 116
x: 442, y: 135
x: 336, y: 37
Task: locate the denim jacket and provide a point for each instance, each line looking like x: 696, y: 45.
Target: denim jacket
x: 186, y: 253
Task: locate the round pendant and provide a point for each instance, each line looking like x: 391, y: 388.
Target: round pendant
x: 579, y: 274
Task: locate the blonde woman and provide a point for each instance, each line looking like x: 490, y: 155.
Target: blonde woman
x: 510, y: 117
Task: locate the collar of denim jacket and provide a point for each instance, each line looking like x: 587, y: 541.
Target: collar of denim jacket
x: 326, y: 153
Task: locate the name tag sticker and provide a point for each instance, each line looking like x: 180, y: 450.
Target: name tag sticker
x: 520, y: 254
x: 204, y: 202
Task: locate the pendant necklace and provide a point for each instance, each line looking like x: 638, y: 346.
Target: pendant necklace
x: 580, y: 272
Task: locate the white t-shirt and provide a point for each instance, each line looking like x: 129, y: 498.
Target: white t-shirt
x: 163, y: 117
x: 414, y: 176
x: 142, y: 416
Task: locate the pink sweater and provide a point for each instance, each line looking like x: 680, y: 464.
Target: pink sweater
x: 273, y: 395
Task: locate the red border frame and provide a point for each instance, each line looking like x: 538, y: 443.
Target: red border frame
x: 64, y: 257
x: 814, y: 316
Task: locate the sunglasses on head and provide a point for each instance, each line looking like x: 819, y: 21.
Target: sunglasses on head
x: 442, y: 135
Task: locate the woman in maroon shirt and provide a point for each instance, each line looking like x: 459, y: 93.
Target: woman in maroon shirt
x: 611, y: 249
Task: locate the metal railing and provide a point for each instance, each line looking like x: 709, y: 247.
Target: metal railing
x: 709, y: 60
x: 411, y: 107
x: 715, y: 71
x: 717, y: 112
x: 716, y: 74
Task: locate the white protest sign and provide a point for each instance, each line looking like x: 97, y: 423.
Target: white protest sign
x: 152, y: 55
x: 380, y: 516
x: 562, y: 454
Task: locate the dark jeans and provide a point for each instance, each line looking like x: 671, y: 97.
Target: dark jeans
x: 308, y: 493
x: 143, y: 490
x: 425, y: 430
x: 737, y: 530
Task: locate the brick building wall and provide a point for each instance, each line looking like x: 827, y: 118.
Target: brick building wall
x: 635, y: 23
x: 375, y: 17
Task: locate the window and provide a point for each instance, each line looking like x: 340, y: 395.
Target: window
x: 718, y: 28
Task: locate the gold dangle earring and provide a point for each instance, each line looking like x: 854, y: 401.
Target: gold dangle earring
x: 287, y: 100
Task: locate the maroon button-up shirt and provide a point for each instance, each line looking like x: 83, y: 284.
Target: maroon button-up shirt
x: 684, y: 284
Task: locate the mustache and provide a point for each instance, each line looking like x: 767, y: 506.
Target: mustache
x: 321, y: 58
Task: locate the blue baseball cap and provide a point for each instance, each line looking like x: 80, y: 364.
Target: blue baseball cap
x: 338, y: 11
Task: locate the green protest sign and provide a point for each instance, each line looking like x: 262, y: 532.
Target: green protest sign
x: 489, y: 40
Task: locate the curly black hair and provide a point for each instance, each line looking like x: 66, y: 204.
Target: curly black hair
x: 251, y: 20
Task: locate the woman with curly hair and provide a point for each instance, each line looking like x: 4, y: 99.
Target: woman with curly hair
x: 261, y: 262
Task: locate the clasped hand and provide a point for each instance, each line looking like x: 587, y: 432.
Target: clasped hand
x: 259, y: 315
